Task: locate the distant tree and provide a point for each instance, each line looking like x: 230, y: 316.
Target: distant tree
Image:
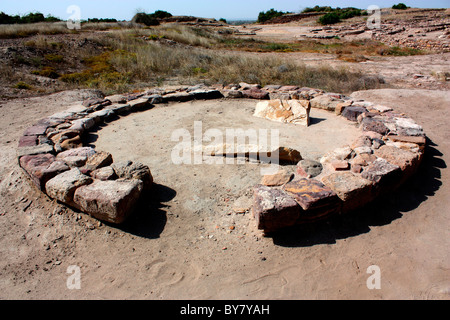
x: 400, y: 6
x: 223, y: 20
x: 268, y: 15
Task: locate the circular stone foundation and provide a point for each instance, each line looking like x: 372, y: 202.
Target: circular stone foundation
x: 86, y: 159
x: 146, y: 137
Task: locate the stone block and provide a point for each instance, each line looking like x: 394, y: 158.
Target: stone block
x: 352, y: 189
x: 110, y: 201
x: 62, y: 187
x: 274, y: 209
x: 316, y: 199
x: 41, y: 168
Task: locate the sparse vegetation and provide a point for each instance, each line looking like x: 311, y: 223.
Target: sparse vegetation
x: 336, y: 15
x: 22, y: 86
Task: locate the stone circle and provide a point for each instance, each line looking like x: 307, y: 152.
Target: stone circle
x: 387, y: 152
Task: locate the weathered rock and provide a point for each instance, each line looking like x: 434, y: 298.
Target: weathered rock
x: 341, y: 106
x: 75, y: 161
x: 50, y: 122
x: 362, y: 141
x: 284, y: 154
x: 33, y: 150
x: 82, y: 125
x: 84, y: 152
x: 28, y: 141
x: 362, y: 150
x: 271, y: 87
x: 178, y: 97
x: 316, y: 199
x: 104, y: 173
x: 419, y: 140
x: 58, y: 137
x: 119, y: 108
x: 287, y: 111
x: 134, y: 170
x: 408, y: 127
x: 288, y: 88
x: 71, y: 143
x: 374, y: 125
x: 77, y: 108
x: 339, y: 165
x: 117, y: 98
x: 248, y: 86
x: 385, y: 175
x: 277, y: 179
x: 98, y: 160
x: 41, y: 168
x: 35, y: 130
x: 233, y: 94
x: 206, y: 94
x: 308, y: 168
x: 352, y: 189
x: 139, y: 104
x: 111, y: 201
x: 274, y: 209
x: 351, y: 113
x: 255, y: 94
x: 381, y: 108
x: 62, y: 187
x: 63, y: 116
x: 325, y: 102
x: 406, y: 160
x: 363, y: 159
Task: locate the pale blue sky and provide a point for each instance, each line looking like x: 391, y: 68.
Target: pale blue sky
x: 228, y: 9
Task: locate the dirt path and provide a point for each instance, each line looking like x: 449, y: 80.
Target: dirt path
x: 174, y: 249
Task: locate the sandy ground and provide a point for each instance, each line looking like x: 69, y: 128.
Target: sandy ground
x: 186, y: 242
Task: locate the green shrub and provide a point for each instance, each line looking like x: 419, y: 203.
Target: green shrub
x: 48, y: 72
x: 23, y: 86
x: 57, y: 58
x: 329, y: 18
x: 145, y: 19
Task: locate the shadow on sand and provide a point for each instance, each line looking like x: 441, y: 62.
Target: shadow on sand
x: 381, y: 212
x: 149, y: 218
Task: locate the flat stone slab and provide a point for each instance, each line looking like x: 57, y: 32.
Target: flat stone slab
x: 314, y: 197
x: 110, y: 201
x: 41, y: 168
x: 33, y: 150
